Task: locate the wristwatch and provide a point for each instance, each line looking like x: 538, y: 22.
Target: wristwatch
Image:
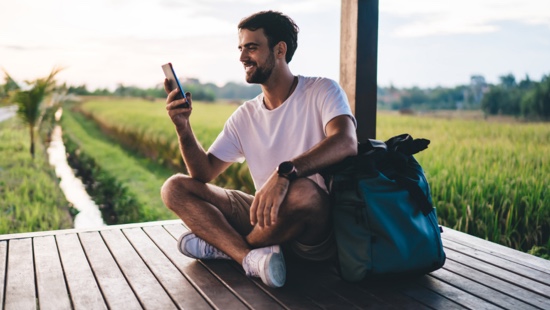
x: 287, y: 170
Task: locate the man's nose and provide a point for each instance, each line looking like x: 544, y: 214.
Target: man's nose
x: 244, y: 56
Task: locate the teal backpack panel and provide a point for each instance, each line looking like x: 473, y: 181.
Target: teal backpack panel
x: 384, y: 221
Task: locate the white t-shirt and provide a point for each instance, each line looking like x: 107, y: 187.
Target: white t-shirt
x: 265, y: 138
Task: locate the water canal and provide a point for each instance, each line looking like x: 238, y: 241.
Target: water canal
x: 73, y: 188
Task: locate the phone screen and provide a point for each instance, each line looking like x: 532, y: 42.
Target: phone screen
x: 173, y: 80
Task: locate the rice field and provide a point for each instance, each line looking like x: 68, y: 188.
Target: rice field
x: 489, y: 179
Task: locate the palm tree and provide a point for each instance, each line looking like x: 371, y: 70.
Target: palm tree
x: 29, y: 101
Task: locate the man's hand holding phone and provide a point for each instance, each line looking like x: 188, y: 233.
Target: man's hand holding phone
x: 178, y: 104
x: 173, y: 85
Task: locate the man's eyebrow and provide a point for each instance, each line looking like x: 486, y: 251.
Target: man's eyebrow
x: 247, y: 45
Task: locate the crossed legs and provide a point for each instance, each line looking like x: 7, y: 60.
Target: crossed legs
x: 208, y: 212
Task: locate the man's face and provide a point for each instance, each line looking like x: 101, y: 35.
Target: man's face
x: 258, y: 59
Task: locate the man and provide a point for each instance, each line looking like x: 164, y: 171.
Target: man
x: 296, y: 127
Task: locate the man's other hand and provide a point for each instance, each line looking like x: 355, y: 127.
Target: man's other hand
x: 268, y: 200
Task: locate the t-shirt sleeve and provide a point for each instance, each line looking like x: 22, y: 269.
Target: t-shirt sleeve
x: 227, y: 147
x: 334, y: 102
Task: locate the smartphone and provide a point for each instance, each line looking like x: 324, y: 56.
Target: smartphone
x: 174, y: 82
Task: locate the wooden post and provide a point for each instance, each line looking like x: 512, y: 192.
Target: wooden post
x: 358, y: 62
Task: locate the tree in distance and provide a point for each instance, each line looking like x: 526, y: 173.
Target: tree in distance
x: 29, y: 101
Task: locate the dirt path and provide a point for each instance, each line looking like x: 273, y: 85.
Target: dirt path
x: 7, y: 112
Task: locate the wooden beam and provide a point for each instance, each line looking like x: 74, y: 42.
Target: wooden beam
x: 358, y: 62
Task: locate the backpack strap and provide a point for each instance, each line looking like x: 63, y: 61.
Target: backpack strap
x: 390, y: 158
x: 394, y: 162
x: 416, y: 193
x: 405, y: 144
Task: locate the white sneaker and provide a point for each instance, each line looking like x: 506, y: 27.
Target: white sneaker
x: 268, y: 264
x: 192, y: 246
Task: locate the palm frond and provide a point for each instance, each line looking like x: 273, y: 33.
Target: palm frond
x: 29, y: 101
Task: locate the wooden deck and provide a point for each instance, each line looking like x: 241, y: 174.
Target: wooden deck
x: 138, y: 266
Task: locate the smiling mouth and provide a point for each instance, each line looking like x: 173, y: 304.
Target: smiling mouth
x: 248, y: 66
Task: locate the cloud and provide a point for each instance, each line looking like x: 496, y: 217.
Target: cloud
x: 15, y: 47
x: 428, y: 18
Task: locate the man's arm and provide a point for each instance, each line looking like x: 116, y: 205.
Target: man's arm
x: 341, y: 142
x: 200, y: 164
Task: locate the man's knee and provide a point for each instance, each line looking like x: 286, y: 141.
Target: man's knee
x: 306, y: 197
x: 175, y: 189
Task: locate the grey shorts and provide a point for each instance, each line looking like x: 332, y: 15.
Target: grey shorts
x: 240, y: 210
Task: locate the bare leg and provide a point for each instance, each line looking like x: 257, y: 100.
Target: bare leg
x: 204, y: 208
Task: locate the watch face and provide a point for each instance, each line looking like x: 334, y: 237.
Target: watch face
x: 285, y: 167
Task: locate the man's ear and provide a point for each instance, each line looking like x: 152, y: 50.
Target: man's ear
x: 281, y: 48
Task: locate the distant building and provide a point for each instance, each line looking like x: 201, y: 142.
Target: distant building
x: 478, y: 87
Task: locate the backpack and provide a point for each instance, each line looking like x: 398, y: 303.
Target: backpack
x: 384, y: 220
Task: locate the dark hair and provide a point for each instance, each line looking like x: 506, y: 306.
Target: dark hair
x: 277, y: 27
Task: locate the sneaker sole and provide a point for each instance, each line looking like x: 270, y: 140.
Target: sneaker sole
x: 180, y: 240
x: 275, y: 270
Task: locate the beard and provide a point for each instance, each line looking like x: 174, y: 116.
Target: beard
x: 262, y: 73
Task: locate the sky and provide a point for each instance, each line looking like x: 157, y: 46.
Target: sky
x: 425, y: 43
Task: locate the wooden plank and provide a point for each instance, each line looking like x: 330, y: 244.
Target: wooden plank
x: 20, y: 289
x: 512, y: 266
x: 177, y: 286
x: 319, y: 295
x: 242, y: 285
x: 116, y: 290
x: 396, y: 300
x: 368, y: 295
x: 80, y: 230
x: 306, y: 281
x: 498, y: 272
x: 430, y: 297
x: 212, y: 289
x: 291, y: 295
x: 3, y: 261
x: 458, y: 296
x: 479, y: 290
x: 50, y: 281
x: 84, y: 291
x: 362, y: 299
x: 148, y: 290
x: 424, y: 290
x: 507, y: 288
x: 477, y: 275
x: 496, y: 249
x: 290, y: 298
x: 317, y: 285
x: 305, y: 288
x: 236, y: 282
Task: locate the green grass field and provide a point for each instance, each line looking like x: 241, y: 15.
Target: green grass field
x: 30, y: 197
x: 488, y: 179
x: 145, y: 127
x: 131, y: 182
